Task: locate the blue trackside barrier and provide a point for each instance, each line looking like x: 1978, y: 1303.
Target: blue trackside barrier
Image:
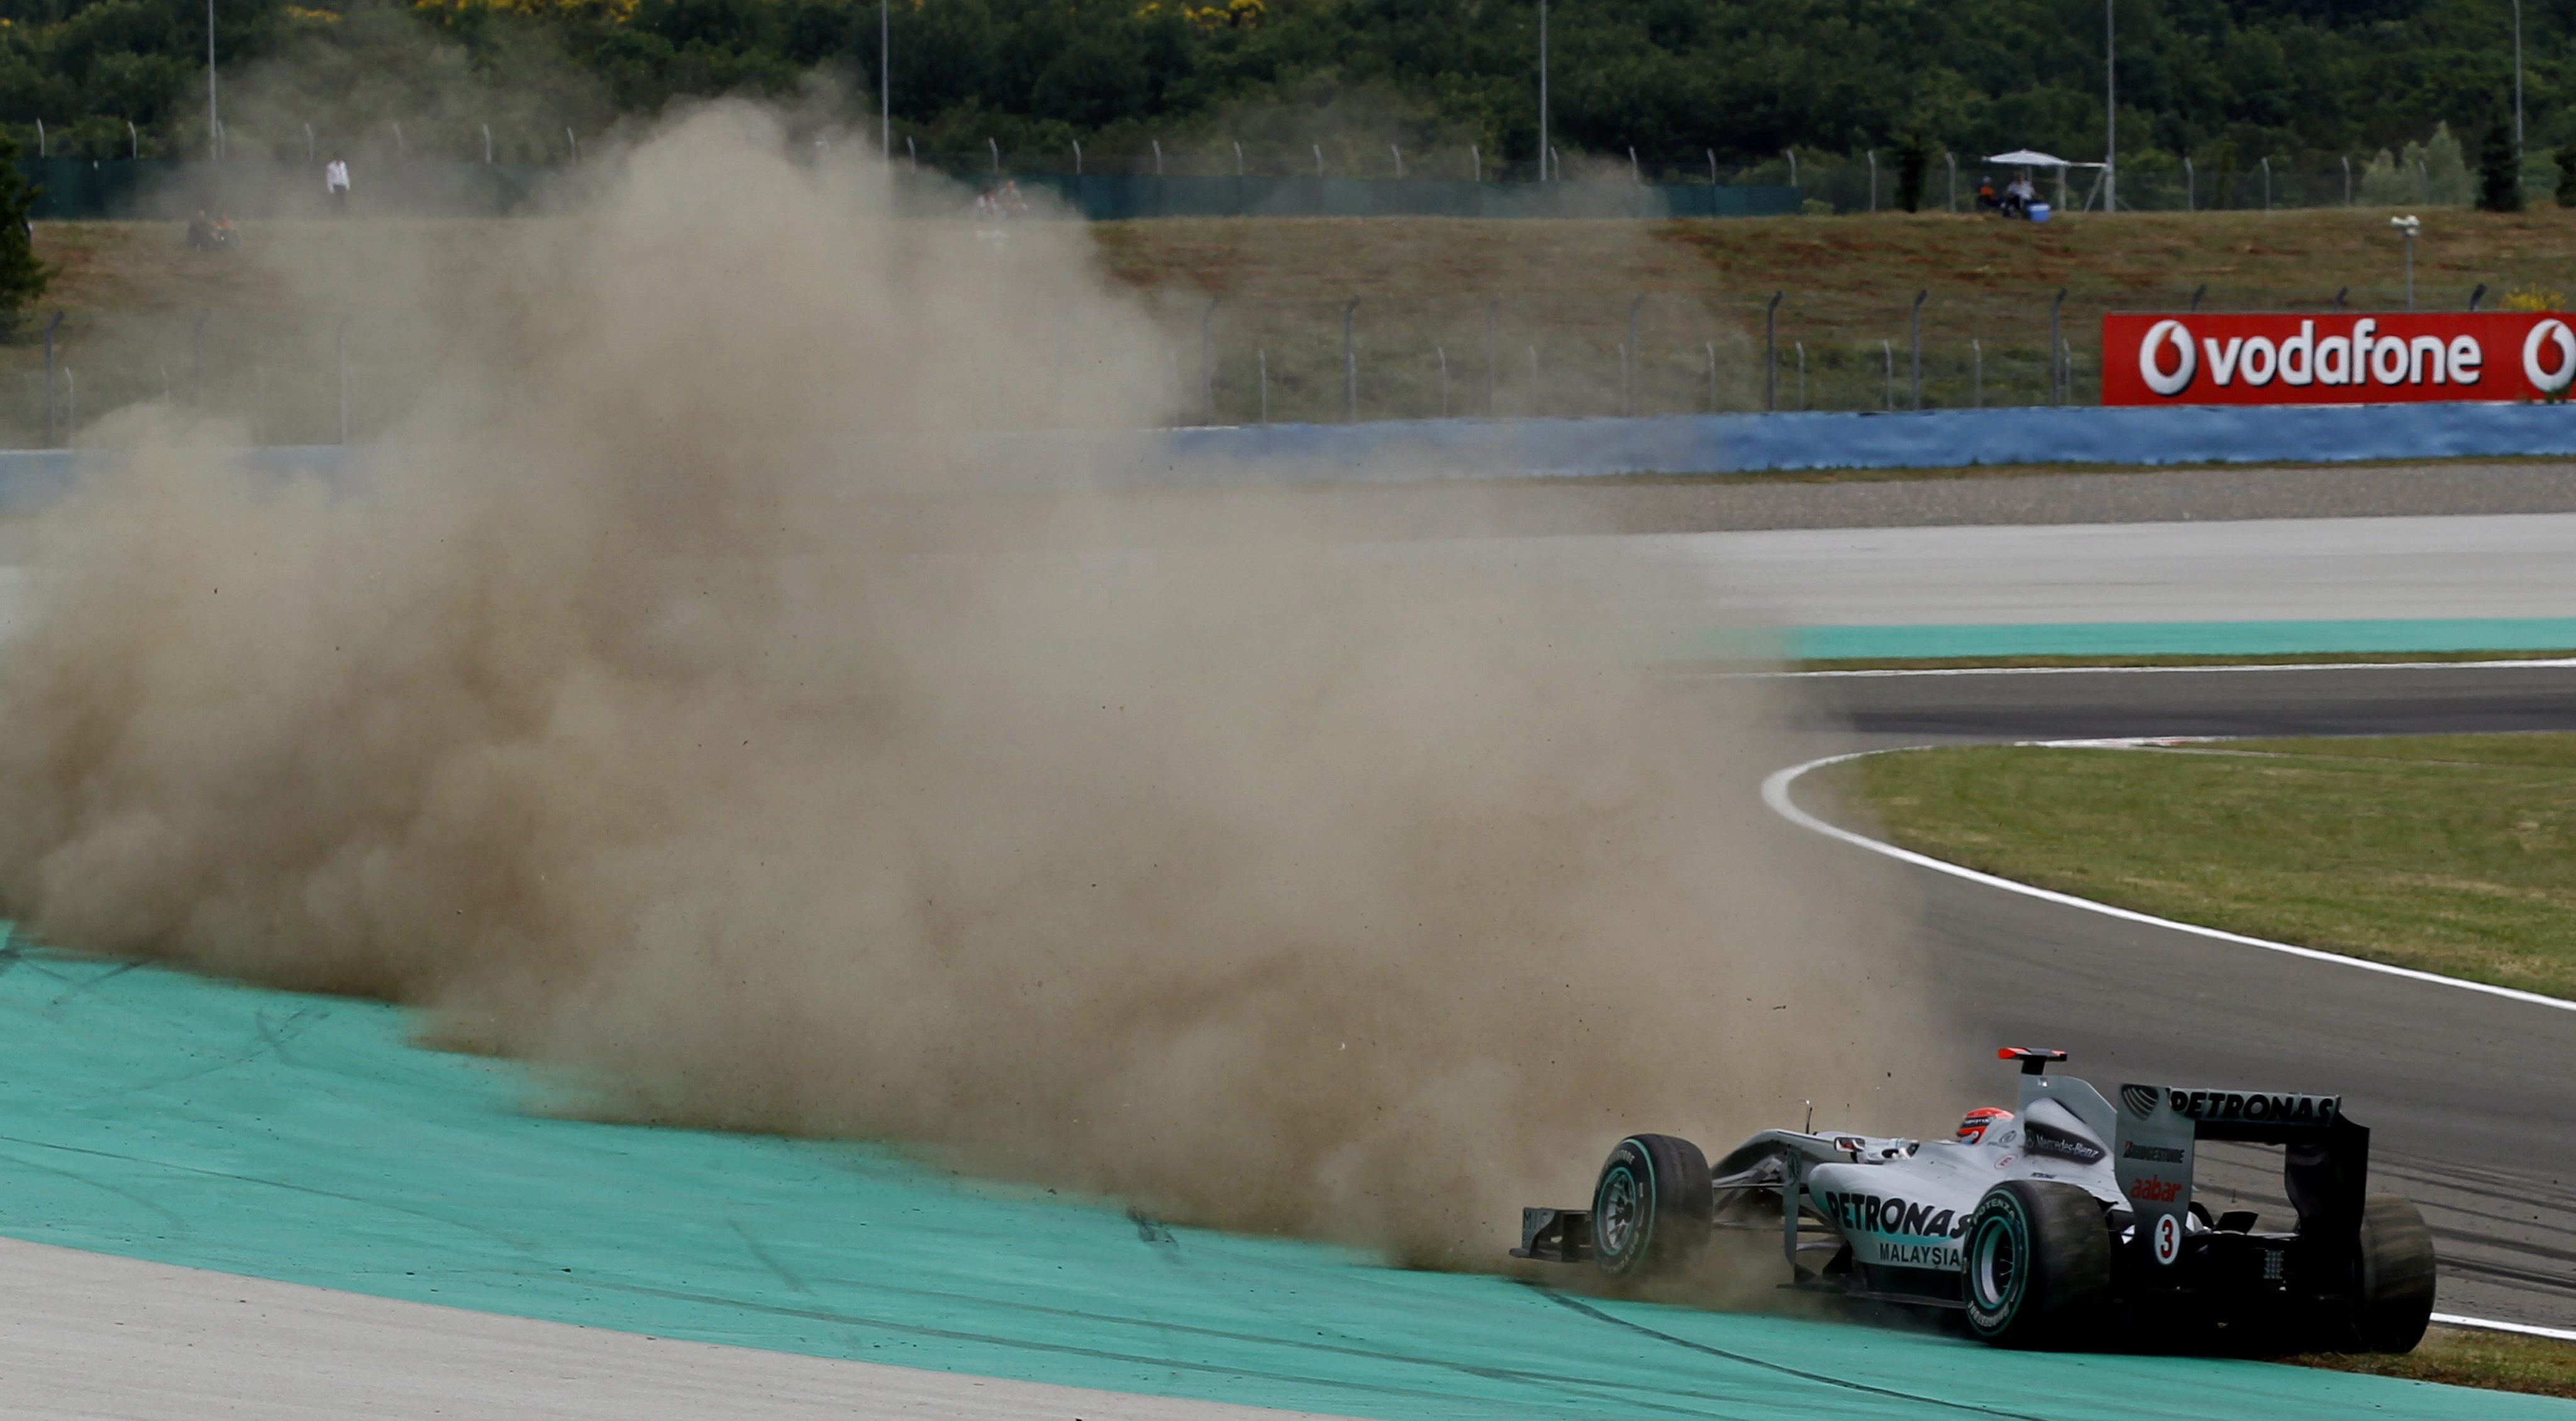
x: 1397, y: 451
x: 1412, y: 451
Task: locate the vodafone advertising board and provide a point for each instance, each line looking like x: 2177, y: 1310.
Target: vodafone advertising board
x: 2336, y: 359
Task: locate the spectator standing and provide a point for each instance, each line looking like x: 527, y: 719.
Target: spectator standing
x: 335, y: 181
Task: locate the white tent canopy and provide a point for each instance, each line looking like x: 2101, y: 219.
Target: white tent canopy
x: 2033, y: 158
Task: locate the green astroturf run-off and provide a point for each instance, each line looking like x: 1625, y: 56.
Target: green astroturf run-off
x: 155, y: 1115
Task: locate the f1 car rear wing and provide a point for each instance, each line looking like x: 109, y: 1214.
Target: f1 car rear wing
x: 2157, y: 1130
x: 2325, y: 1157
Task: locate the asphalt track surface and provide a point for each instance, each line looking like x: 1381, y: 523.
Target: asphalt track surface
x: 2502, y: 567
x: 2466, y: 1094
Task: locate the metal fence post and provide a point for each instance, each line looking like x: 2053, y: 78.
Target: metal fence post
x: 1953, y: 160
x: 2054, y: 386
x: 1350, y: 365
x: 2196, y: 293
x: 1771, y: 352
x: 1711, y: 348
x: 1493, y: 309
x: 1207, y: 357
x: 342, y: 349
x: 1264, y: 356
x: 2267, y: 184
x: 1802, y: 373
x: 1628, y: 376
x: 197, y: 360
x: 2347, y: 180
x: 52, y: 435
x: 1887, y: 352
x: 2478, y: 295
x: 1976, y: 374
x: 1443, y: 353
x: 1918, y: 346
x: 1873, y: 180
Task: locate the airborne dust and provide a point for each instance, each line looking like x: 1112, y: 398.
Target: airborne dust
x: 653, y: 711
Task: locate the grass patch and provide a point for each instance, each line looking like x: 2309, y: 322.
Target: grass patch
x: 2453, y: 854
x: 1566, y: 289
x: 2498, y: 1361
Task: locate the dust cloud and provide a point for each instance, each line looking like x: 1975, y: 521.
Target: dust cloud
x: 654, y: 708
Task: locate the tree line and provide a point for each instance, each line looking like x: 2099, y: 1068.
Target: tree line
x: 1676, y: 80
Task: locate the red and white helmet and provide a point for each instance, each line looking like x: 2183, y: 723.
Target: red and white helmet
x: 1972, y: 1126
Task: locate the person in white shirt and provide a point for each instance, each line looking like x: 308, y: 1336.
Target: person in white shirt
x: 2019, y: 196
x: 335, y: 181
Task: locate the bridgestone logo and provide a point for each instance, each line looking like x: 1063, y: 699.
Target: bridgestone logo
x: 2158, y: 1154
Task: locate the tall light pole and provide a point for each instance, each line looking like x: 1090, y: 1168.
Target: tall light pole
x: 2517, y: 88
x: 885, y: 84
x: 1542, y: 89
x: 2111, y: 107
x: 214, y: 119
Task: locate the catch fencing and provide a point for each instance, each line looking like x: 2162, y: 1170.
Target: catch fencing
x: 1243, y: 361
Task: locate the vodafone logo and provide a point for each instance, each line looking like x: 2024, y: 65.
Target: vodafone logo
x: 2174, y: 334
x: 2549, y: 379
x: 2358, y: 355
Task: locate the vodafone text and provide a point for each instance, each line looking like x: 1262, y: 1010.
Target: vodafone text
x: 2273, y: 359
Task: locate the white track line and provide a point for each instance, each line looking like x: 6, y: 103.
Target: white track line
x: 2488, y: 1324
x: 1775, y: 793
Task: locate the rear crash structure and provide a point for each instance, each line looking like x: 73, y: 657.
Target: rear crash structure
x: 2067, y: 1223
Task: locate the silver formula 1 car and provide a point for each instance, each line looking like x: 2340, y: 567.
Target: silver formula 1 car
x: 2067, y: 1222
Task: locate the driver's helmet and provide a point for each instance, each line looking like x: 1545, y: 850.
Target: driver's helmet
x: 1972, y: 1126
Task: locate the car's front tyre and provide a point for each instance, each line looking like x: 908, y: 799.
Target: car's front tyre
x: 2037, y: 1264
x: 1651, y: 1210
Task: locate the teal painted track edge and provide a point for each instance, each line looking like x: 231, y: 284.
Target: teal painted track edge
x: 2287, y: 638
x: 155, y: 1115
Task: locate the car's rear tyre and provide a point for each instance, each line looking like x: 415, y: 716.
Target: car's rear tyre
x: 2037, y: 1264
x: 2392, y: 1276
x: 1652, y: 1210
